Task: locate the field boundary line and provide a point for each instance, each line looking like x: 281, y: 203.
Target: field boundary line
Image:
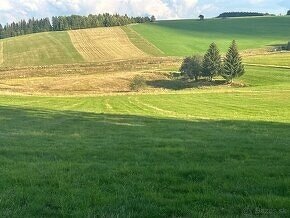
x: 134, y: 44
x: 268, y: 65
x: 149, y: 43
x: 1, y: 53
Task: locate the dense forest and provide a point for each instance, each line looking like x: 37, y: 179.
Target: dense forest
x: 243, y: 14
x: 72, y: 22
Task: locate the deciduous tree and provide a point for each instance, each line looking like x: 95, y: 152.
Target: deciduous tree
x: 192, y: 67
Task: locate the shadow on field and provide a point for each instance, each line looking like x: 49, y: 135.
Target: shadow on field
x: 85, y: 164
x: 179, y: 84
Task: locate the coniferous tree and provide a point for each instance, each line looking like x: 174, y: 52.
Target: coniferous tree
x: 212, y: 62
x: 233, y: 66
x: 62, y: 23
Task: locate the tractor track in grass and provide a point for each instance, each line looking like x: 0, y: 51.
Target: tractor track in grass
x: 160, y: 111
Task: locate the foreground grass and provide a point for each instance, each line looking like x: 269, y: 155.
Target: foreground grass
x: 213, y: 152
x: 150, y: 155
x: 185, y: 37
x: 40, y: 49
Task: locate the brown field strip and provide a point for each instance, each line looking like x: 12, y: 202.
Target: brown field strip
x: 1, y: 53
x: 87, y: 78
x: 101, y: 44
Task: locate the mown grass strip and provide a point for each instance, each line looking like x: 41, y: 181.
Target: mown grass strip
x: 140, y: 42
x: 1, y: 53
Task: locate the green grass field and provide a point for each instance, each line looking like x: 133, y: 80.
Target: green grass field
x: 213, y: 152
x: 40, y: 49
x: 185, y: 37
x: 177, y: 149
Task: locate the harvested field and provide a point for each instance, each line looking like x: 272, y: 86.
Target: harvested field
x: 101, y: 44
x: 103, y: 77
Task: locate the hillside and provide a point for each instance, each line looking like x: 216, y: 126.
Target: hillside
x: 77, y: 141
x: 39, y: 49
x: 77, y: 46
x: 184, y: 37
x: 163, y: 38
x: 101, y: 44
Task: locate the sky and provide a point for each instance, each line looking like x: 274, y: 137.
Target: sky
x: 14, y: 10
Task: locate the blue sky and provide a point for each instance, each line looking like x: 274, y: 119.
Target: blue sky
x: 13, y: 10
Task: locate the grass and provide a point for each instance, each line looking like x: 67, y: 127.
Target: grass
x: 276, y: 59
x: 82, y: 79
x: 216, y: 152
x: 185, y: 37
x: 40, y: 49
x: 141, y: 43
x: 145, y: 155
x: 1, y: 53
x: 176, y: 150
x: 103, y: 44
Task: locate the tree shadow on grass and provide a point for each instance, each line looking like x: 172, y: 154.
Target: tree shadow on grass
x: 179, y: 84
x: 86, y: 164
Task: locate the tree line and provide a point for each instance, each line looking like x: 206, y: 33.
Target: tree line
x: 73, y: 22
x: 211, y: 64
x: 243, y: 14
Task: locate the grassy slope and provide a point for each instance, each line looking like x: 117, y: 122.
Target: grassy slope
x: 185, y: 37
x: 141, y: 43
x: 104, y: 44
x: 277, y: 59
x: 40, y: 49
x: 215, y: 152
x: 220, y: 151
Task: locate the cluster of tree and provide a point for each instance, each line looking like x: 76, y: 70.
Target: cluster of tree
x: 243, y: 14
x: 288, y: 12
x: 92, y: 21
x: 211, y: 64
x: 68, y: 23
x: 25, y: 27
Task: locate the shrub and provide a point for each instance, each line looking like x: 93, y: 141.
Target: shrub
x: 192, y: 67
x: 138, y: 83
x: 288, y: 46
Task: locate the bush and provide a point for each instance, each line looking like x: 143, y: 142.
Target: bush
x: 288, y: 46
x: 192, y: 67
x: 138, y: 83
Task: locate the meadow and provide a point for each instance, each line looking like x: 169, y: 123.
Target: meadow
x: 185, y: 37
x: 75, y: 141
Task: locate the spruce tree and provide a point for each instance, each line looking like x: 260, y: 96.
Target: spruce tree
x: 212, y: 62
x: 233, y: 66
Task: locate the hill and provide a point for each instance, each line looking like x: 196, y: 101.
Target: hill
x: 76, y: 46
x: 76, y: 141
x: 39, y: 49
x: 185, y: 37
x: 163, y: 38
